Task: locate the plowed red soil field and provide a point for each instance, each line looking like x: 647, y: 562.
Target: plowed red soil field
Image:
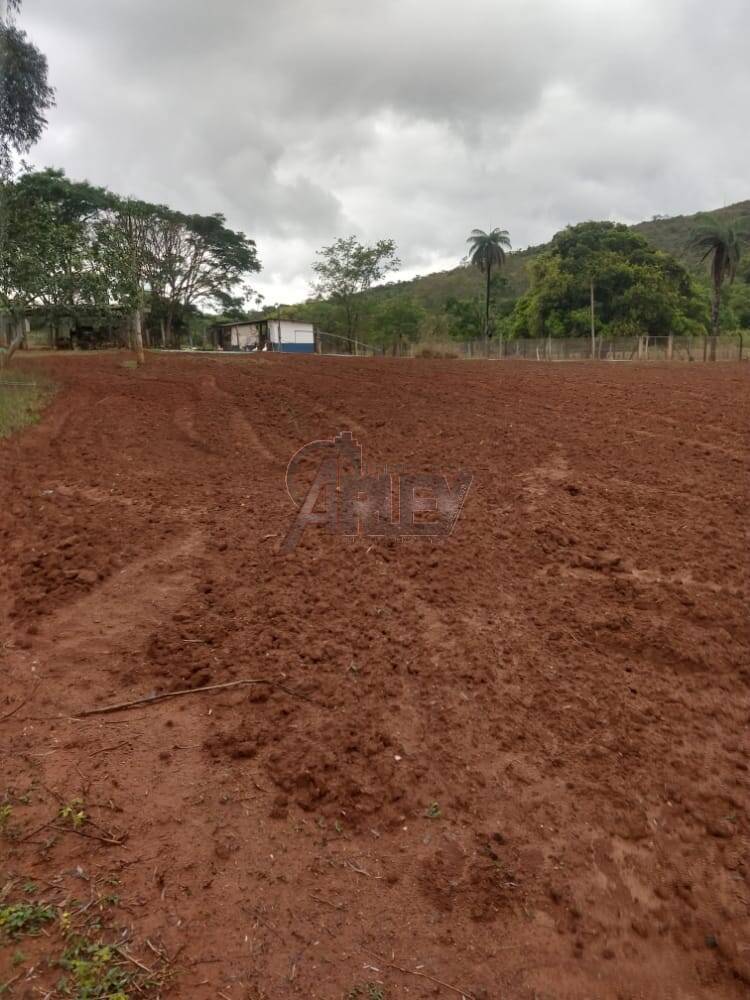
x: 512, y: 763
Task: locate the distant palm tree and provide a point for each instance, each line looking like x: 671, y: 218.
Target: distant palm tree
x: 488, y: 250
x: 722, y: 242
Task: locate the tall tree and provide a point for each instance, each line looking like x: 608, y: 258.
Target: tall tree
x: 487, y: 250
x: 347, y: 269
x: 124, y: 235
x: 64, y: 212
x: 721, y: 244
x: 25, y: 97
x: 25, y: 94
x: 26, y: 235
x: 196, y: 259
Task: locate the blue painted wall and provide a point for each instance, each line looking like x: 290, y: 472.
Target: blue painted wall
x: 294, y: 348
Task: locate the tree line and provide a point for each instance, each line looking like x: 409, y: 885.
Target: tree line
x: 72, y: 250
x: 594, y: 279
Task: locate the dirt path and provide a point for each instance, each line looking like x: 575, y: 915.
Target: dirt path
x: 520, y: 762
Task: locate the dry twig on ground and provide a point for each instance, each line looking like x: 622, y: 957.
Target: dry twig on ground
x: 153, y: 699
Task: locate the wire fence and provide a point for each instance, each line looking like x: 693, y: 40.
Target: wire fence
x: 735, y: 347
x: 727, y: 347
x: 333, y: 343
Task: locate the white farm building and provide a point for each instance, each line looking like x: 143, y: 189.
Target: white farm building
x: 270, y: 334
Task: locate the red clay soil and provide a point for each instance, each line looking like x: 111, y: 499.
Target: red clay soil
x: 510, y: 764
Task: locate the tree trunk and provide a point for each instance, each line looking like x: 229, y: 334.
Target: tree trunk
x: 6, y: 353
x: 168, y: 328
x: 351, y: 328
x: 138, y: 336
x: 487, y: 307
x: 5, y: 323
x: 593, y: 322
x: 715, y: 311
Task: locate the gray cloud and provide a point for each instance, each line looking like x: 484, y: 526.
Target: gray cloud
x: 417, y: 119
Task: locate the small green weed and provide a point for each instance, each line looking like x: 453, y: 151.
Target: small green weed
x: 73, y: 813
x: 95, y: 972
x: 25, y: 918
x: 90, y: 968
x: 433, y: 811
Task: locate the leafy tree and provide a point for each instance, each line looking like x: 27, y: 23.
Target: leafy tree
x: 25, y: 94
x: 466, y: 320
x: 638, y: 289
x: 25, y: 97
x: 346, y: 270
x: 738, y: 306
x: 69, y: 283
x: 487, y: 250
x: 72, y: 248
x: 195, y: 259
x: 398, y: 321
x: 123, y: 253
x: 22, y: 267
x: 45, y: 255
x: 721, y: 244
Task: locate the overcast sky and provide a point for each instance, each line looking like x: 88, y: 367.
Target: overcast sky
x: 304, y: 120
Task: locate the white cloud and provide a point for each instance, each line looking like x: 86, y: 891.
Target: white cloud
x: 416, y: 119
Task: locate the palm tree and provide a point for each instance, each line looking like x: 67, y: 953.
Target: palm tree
x: 722, y: 242
x: 488, y: 250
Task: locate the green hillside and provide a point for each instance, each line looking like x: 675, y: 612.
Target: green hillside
x: 671, y: 233
x: 433, y: 290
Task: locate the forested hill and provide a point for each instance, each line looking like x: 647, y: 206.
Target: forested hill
x: 433, y: 290
x: 671, y: 233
